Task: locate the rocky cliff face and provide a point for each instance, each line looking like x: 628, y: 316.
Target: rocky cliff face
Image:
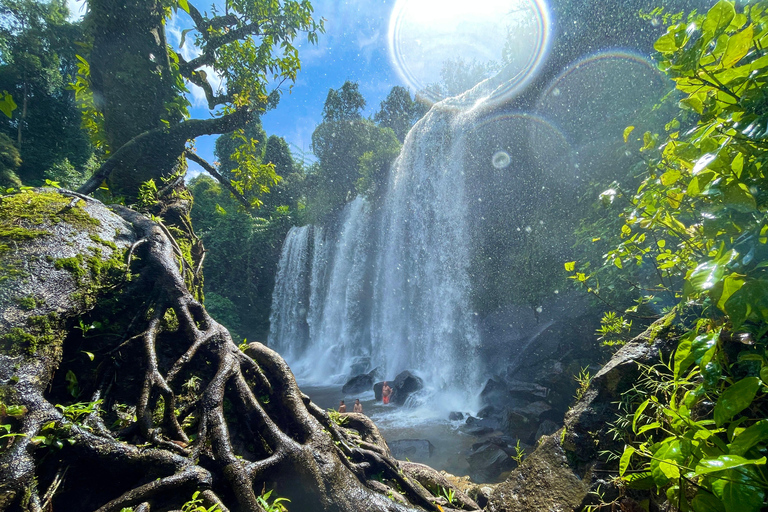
x: 568, y: 468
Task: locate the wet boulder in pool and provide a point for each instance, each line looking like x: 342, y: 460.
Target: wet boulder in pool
x: 404, y: 385
x: 412, y: 449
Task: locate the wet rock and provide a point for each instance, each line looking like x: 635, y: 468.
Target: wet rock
x: 487, y: 461
x: 455, y: 416
x: 420, y: 449
x: 534, y: 411
x: 494, y: 392
x: 359, y: 383
x: 527, y: 390
x: 404, y: 384
x: 546, y: 428
x: 359, y: 365
x: 478, y: 430
x: 486, y: 412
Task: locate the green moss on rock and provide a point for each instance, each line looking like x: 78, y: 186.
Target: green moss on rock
x: 28, y: 214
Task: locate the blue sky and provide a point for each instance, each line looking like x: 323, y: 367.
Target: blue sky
x: 355, y: 47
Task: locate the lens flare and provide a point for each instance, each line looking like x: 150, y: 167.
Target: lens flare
x: 442, y: 48
x: 501, y: 159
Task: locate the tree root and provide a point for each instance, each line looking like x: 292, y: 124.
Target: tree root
x: 238, y: 424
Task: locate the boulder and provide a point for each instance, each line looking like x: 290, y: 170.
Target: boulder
x: 358, y: 383
x: 479, y: 430
x: 404, y: 384
x: 527, y: 390
x: 415, y: 449
x: 487, y: 461
x: 494, y: 392
x: 455, y: 416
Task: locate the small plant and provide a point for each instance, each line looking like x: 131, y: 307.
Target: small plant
x: 448, y: 494
x: 613, y: 329
x: 196, y: 505
x: 275, y: 506
x: 519, y: 453
x: 337, y: 418
x: 584, y: 379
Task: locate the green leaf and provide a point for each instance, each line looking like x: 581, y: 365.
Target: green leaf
x: 666, y: 43
x: 737, y: 165
x: 697, y: 352
x: 625, y: 458
x: 738, y: 196
x: 7, y: 105
x: 670, y: 177
x: 89, y: 354
x: 706, y: 275
x: 570, y: 266
x: 705, y: 502
x: 738, y: 46
x: 749, y: 437
x: 184, y: 5
x: 627, y: 131
x: 638, y: 413
x: 724, y: 462
x: 694, y: 103
x: 735, y: 399
x: 731, y: 285
x: 739, y: 490
x: 719, y: 17
x: 666, y: 458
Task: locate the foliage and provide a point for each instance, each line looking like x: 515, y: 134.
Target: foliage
x: 399, y: 112
x: 583, y: 379
x: 448, y: 494
x: 37, y: 61
x: 275, y: 506
x: 340, y: 142
x: 236, y: 239
x: 195, y: 504
x: 699, y: 215
x: 613, y: 329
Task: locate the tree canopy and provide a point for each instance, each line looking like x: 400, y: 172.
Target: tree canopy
x: 250, y: 46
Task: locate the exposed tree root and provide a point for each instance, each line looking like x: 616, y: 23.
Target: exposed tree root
x: 209, y: 417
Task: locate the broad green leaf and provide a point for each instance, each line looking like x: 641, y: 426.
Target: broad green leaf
x: 738, y: 46
x: 666, y: 43
x: 670, y: 177
x: 625, y: 458
x: 724, y: 462
x: 735, y: 399
x: 737, y: 165
x: 694, y: 103
x: 739, y: 490
x: 737, y: 195
x: 731, y: 284
x: 749, y: 437
x: 184, y: 35
x: 719, y: 17
x: 699, y: 347
x: 666, y: 458
x: 706, y: 275
x: 705, y: 502
x: 184, y: 5
x: 764, y: 375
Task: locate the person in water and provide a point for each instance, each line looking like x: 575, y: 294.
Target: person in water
x: 358, y: 407
x: 386, y: 391
x: 342, y: 407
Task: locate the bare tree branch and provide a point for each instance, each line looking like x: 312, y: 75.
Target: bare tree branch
x: 221, y: 179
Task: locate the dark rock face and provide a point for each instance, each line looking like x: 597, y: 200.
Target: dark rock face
x: 359, y: 383
x: 490, y: 458
x: 565, y: 467
x: 417, y: 449
x: 403, y: 385
x: 455, y: 416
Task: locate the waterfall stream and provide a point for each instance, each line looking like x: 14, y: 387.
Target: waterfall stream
x: 387, y: 289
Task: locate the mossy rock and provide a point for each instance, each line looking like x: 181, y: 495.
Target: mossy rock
x: 56, y: 250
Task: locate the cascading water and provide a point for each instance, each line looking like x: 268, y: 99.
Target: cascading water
x: 388, y: 290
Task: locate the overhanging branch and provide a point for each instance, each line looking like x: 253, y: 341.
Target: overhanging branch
x: 221, y: 179
x: 181, y: 132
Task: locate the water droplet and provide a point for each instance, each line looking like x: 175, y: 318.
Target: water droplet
x: 539, y: 309
x: 557, y: 291
x: 528, y: 229
x: 501, y: 159
x: 555, y: 92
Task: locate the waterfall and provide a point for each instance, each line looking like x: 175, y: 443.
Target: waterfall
x: 288, y: 329
x: 388, y: 290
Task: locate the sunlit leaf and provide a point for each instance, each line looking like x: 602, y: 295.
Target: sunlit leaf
x: 719, y: 17
x: 738, y: 46
x: 735, y: 399
x: 749, y: 437
x: 739, y: 490
x: 724, y: 462
x: 627, y: 131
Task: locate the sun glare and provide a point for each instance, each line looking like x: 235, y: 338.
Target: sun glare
x: 454, y: 44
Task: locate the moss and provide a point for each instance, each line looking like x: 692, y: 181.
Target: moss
x: 98, y: 239
x: 27, y: 214
x: 17, y: 341
x: 73, y: 265
x: 27, y: 303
